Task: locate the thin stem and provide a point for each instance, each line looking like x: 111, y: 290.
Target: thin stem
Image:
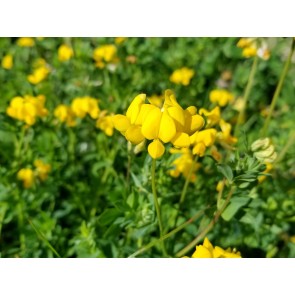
x: 247, y: 93
x: 168, y: 235
x: 157, y: 205
x: 278, y: 89
x: 283, y: 152
x: 204, y: 231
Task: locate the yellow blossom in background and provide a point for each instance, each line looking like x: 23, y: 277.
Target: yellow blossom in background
x: 7, y: 62
x: 105, y: 123
x: 182, y: 76
x: 81, y: 106
x: 25, y: 42
x: 26, y: 175
x: 156, y: 100
x: 220, y: 185
x: 39, y: 74
x: 42, y: 169
x: 249, y: 52
x: 203, y: 139
x: 221, y: 96
x: 120, y: 40
x: 225, y: 134
x: 65, y: 52
x: 27, y: 108
x: 212, y: 117
x: 105, y: 54
x: 254, y: 47
x: 208, y: 251
x: 65, y: 114
x: 268, y: 168
x: 184, y: 164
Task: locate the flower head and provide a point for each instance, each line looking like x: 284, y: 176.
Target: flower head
x: 65, y: 52
x: 65, y: 114
x: 81, y: 106
x: 40, y: 72
x: 105, y: 123
x: 105, y: 54
x: 26, y: 175
x: 7, y: 62
x: 182, y: 76
x: 42, y: 169
x: 208, y: 251
x: 221, y: 96
x: 25, y: 42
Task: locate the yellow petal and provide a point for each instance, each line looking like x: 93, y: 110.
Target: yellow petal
x: 134, y: 108
x: 202, y: 252
x: 178, y: 116
x: 151, y: 124
x: 167, y: 128
x: 134, y: 135
x: 199, y: 149
x: 181, y: 139
x: 207, y: 244
x: 121, y: 122
x: 144, y: 111
x: 156, y: 149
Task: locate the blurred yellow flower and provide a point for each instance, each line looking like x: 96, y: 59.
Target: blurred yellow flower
x: 38, y: 75
x: 27, y: 108
x: 120, y: 40
x: 268, y: 168
x: 212, y: 117
x: 254, y: 47
x: 42, y: 169
x: 26, y: 175
x: 184, y: 164
x: 7, y: 62
x: 105, y: 123
x: 224, y: 135
x: 207, y: 251
x: 65, y: 52
x: 203, y: 139
x: 221, y: 96
x: 182, y: 76
x: 25, y: 42
x: 105, y: 54
x: 81, y: 106
x: 65, y: 114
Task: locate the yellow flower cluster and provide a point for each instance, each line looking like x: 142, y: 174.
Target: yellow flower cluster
x: 120, y: 40
x: 28, y: 175
x: 167, y: 123
x: 182, y: 76
x: 208, y: 251
x: 27, y: 108
x: 40, y: 72
x: 221, y: 96
x: 7, y: 62
x: 65, y: 52
x: 80, y: 108
x: 184, y: 164
x: 25, y: 42
x: 105, y: 54
x: 252, y: 48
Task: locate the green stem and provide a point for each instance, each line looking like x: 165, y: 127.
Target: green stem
x: 204, y: 231
x: 278, y: 89
x: 247, y: 93
x: 157, y: 205
x: 20, y: 219
x: 168, y: 235
x: 290, y: 143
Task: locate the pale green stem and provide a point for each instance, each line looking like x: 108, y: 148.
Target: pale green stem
x: 278, y: 89
x: 246, y: 94
x: 290, y: 143
x: 168, y: 235
x: 158, y: 211
x: 204, y: 231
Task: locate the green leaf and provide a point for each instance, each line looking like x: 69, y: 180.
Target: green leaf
x: 108, y: 216
x: 233, y: 207
x: 226, y: 171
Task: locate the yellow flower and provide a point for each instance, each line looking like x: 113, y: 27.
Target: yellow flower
x: 105, y: 54
x: 38, y: 75
x: 221, y: 96
x: 184, y: 164
x: 25, y: 42
x: 26, y: 175
x: 268, y: 168
x: 208, y: 251
x: 182, y: 76
x: 224, y: 135
x: 65, y: 114
x: 27, y: 108
x: 249, y: 52
x: 212, y: 117
x: 120, y: 40
x: 254, y: 47
x: 245, y: 42
x: 202, y: 139
x: 65, y: 52
x: 105, y: 123
x: 81, y: 106
x: 7, y: 62
x: 42, y: 169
